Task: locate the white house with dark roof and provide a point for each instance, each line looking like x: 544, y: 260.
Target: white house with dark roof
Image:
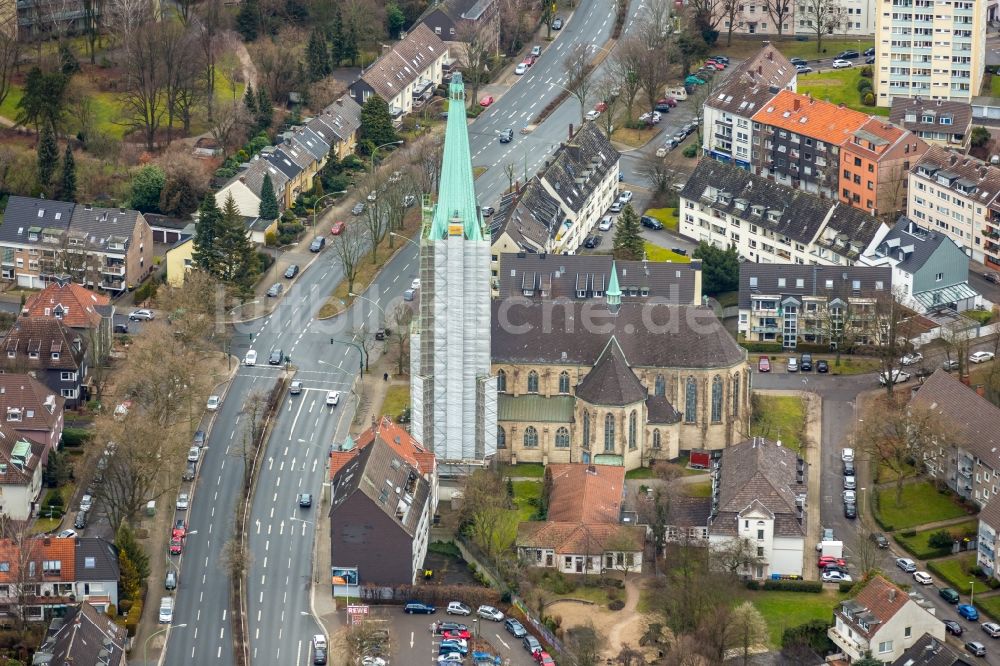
x: 405, y: 76
x: 722, y: 205
x: 84, y: 635
x: 728, y: 129
x: 937, y: 121
x: 759, y: 496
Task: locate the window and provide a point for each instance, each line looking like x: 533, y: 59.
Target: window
x: 691, y: 401
x: 760, y: 534
x: 501, y: 438
x: 938, y: 277
x: 633, y: 426
x: 530, y: 438
x: 532, y: 382
x: 501, y: 381
x: 885, y: 646
x: 717, y: 399
x: 67, y: 376
x: 907, y: 632
x: 586, y: 430
x: 660, y: 386
x: 564, y: 382
x: 562, y: 438
x: 609, y: 432
x: 736, y: 395
x: 656, y: 439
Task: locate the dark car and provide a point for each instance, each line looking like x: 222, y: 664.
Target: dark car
x: 199, y: 438
x: 419, y: 607
x: 990, y: 276
x: 953, y: 627
x: 679, y: 250
x: 797, y: 61
x: 515, y: 628
x: 507, y: 135
x: 292, y: 271
x: 531, y: 644
x: 276, y: 357
x: 189, y: 471
x: 806, y: 362
x: 850, y: 510
x: 880, y: 539
x: 442, y: 627
x: 318, y: 243
x: 305, y: 500
x: 822, y: 366
x: 949, y: 595
x: 651, y: 223
x: 592, y: 241
x: 81, y: 520
x: 847, y: 55
x: 121, y: 328
x: 275, y: 290
x: 382, y: 333
x: 848, y: 468
x: 870, y: 51
x: 319, y: 656
x: 487, y: 211
x: 557, y: 23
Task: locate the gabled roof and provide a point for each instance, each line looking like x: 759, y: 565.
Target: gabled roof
x: 34, y: 340
x: 394, y: 436
x: 559, y: 274
x: 785, y: 211
x: 103, y: 227
x: 960, y: 114
x: 800, y: 281
x: 19, y: 457
x: 760, y: 472
x: 280, y: 159
x: 35, y: 551
x: 684, y: 511
x: 385, y: 478
x: 83, y: 636
x: 929, y: 651
x: 698, y: 340
x: 876, y: 604
x: 253, y: 176
x: 972, y: 420
x: 39, y: 407
x: 909, y: 245
x: 611, y: 381
x: 578, y: 538
x: 585, y: 493
x: 579, y: 165
x: 753, y: 83
x: 337, y: 122
x: 804, y: 115
x: 24, y: 214
x: 882, y: 135
x: 401, y: 66
x: 66, y: 300
x: 530, y: 216
x: 317, y: 147
x: 979, y: 180
x: 96, y: 559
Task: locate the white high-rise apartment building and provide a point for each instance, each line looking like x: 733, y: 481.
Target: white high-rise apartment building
x: 933, y: 49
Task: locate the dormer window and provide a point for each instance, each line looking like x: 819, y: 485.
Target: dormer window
x: 32, y: 354
x: 13, y: 414
x: 927, y: 118
x: 773, y: 215
x: 911, y: 117
x: 55, y: 356
x: 945, y: 120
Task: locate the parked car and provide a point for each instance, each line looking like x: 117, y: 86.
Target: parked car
x: 418, y: 607
x: 358, y: 208
x: 949, y: 595
x: 337, y: 228
x: 515, y: 628
x: 522, y: 67
x: 189, y: 471
x: 792, y: 365
x: 850, y: 510
x: 827, y: 560
x: 797, y: 61
x: 606, y: 222
x: 803, y: 69
x: 463, y: 634
x: 842, y: 64
x: 592, y: 241
x: 898, y: 377
x: 199, y: 438
x: 213, y: 403
x: 557, y: 23
x: 679, y: 250
x: 170, y: 580
x: 616, y: 207
x: 507, y: 135
x: 850, y: 482
x: 822, y: 366
x: 536, y: 50
x: 250, y: 358
x: 81, y: 520
x: 141, y: 314
x: 486, y: 101
x: 991, y: 276
x: 166, y: 615
x: 870, y: 51
x: 911, y: 358
x: 592, y: 115
x: 847, y: 454
x: 906, y: 564
x: 176, y: 545
x: 276, y: 289
x: 651, y: 223
x: 531, y: 644
x: 950, y: 364
x: 415, y: 283
x: 968, y: 611
x: 981, y: 356
x: 992, y: 628
x: 293, y: 269
x: 194, y: 454
x: 488, y: 211
x: 870, y: 60
x: 451, y: 658
x: 763, y: 364
x: 442, y: 627
x: 850, y: 496
x: 835, y: 577
x: 806, y: 361
x: 953, y: 627
x: 880, y: 539
x: 849, y: 468
x: 317, y: 244
x: 409, y: 294
x: 458, y: 608
x: 182, y: 501
x: 181, y: 526
x: 976, y: 648
x: 490, y: 613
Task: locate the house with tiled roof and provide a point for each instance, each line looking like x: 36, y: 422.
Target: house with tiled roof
x: 28, y: 225
x: 759, y: 497
x: 767, y: 222
x: 548, y: 277
x: 800, y: 139
x: 728, y: 111
x: 881, y: 620
x: 612, y: 382
x: 88, y: 312
x: 460, y: 20
x: 32, y: 409
x: 526, y: 220
x: 793, y: 303
x: 381, y: 506
x: 406, y: 75
x: 245, y: 187
x: 51, y: 351
x: 118, y: 246
x: 956, y: 195
x: 939, y: 122
x: 21, y: 468
x: 874, y: 164
x: 97, y: 572
x: 585, y: 493
x: 84, y: 635
x: 929, y: 651
x: 930, y: 273
x: 338, y: 125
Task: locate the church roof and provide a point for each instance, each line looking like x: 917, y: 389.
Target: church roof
x: 457, y: 192
x: 611, y: 382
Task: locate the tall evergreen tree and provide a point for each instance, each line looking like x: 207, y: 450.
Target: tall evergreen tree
x: 248, y: 20
x: 318, y: 57
x: 376, y: 124
x: 268, y: 200
x: 628, y: 236
x: 125, y: 540
x: 265, y: 110
x: 337, y: 38
x: 67, y: 189
x: 250, y: 100
x: 238, y: 262
x: 350, y: 51
x: 48, y: 157
x: 206, y: 233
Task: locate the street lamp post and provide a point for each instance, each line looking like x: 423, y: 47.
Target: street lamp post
x: 145, y: 645
x: 385, y: 317
x: 408, y: 240
x: 375, y: 150
x: 972, y: 592
x: 361, y: 352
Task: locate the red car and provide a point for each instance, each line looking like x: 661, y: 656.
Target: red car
x: 529, y: 60
x: 457, y: 633
x: 176, y: 545
x: 179, y: 527
x: 544, y: 658
x: 714, y: 65
x: 666, y: 101
x: 601, y: 107
x: 337, y: 228
x: 763, y: 364
x: 827, y: 560
x: 486, y: 101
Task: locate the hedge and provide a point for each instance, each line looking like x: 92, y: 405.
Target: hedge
x: 76, y: 436
x: 809, y: 586
x: 762, y: 347
x: 132, y: 620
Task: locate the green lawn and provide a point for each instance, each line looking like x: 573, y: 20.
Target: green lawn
x: 919, y: 547
x: 532, y: 470
x: 527, y: 494
x: 668, y: 216
x: 397, y: 398
x: 807, y: 50
x: 988, y: 605
x: 657, y: 253
x: 956, y: 571
x: 640, y: 473
x: 995, y: 88
x: 778, y: 417
x: 782, y: 610
x: 921, y: 503
x: 839, y: 87
x: 858, y: 365
x: 700, y: 489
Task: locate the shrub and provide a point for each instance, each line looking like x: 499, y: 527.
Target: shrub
x: 908, y: 534
x: 812, y: 634
x: 132, y: 620
x: 940, y: 539
x: 691, y: 151
x: 75, y: 436
x: 845, y: 587
x: 616, y: 605
x: 146, y: 290
x: 762, y: 347
x: 809, y: 586
x: 866, y: 71
x: 753, y: 585
x: 869, y: 99
x: 863, y: 85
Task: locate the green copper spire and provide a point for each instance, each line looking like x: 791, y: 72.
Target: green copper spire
x: 457, y: 192
x: 614, y: 293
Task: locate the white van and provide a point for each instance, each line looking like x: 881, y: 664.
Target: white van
x: 166, y: 610
x: 677, y: 92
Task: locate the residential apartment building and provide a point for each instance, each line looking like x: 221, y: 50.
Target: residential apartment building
x: 724, y: 205
x: 85, y: 311
x: 951, y: 193
x: 338, y: 125
x: 460, y: 20
x: 874, y: 167
x: 32, y: 409
x: 728, y: 111
x: 929, y: 651
x: 406, y: 75
x: 929, y: 271
x: 84, y: 635
x: 933, y: 49
x: 988, y: 538
x: 798, y: 141
x: 848, y: 17
x: 20, y: 474
x: 829, y: 305
x: 759, y: 496
x: 48, y: 349
x: 968, y: 463
x: 559, y: 207
x: 938, y: 122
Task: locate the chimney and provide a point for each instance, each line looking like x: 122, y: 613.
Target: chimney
x: 892, y: 595
x: 760, y: 69
x: 770, y: 56
x: 841, y: 105
x: 340, y: 101
x: 796, y: 105
x: 570, y: 131
x: 981, y: 390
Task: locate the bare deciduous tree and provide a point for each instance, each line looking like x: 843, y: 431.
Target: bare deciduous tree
x: 606, y: 89
x: 779, y: 11
x: 229, y: 125
x: 475, y: 57
x: 707, y: 13
x: 827, y: 16
x: 626, y: 60
x: 277, y: 63
x: 887, y: 317
x: 254, y: 409
x: 731, y: 10
x: 576, y: 69
x: 348, y: 248
x: 586, y: 644
x: 10, y: 52
x: 144, y: 99
x: 22, y: 556
x: 208, y: 23
x: 402, y: 318
x: 376, y: 213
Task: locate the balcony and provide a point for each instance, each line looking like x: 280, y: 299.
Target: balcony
x: 850, y: 646
x: 113, y: 269
x: 765, y: 329
x: 112, y: 285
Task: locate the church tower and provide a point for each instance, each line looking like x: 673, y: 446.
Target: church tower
x: 453, y: 395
